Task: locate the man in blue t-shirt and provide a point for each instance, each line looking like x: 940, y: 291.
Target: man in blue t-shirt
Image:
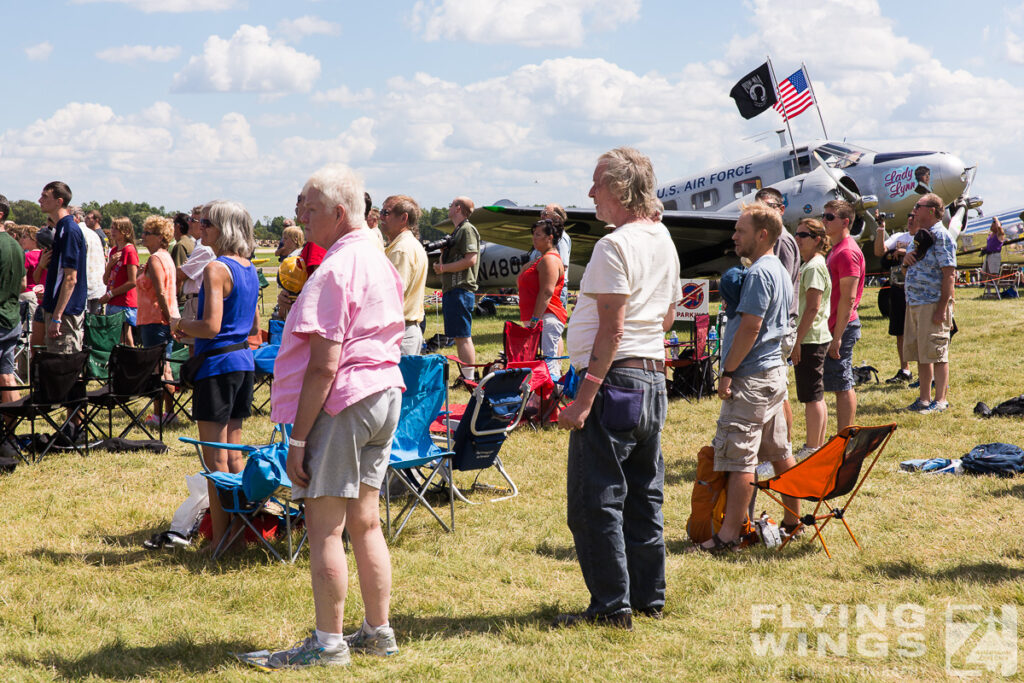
x: 65, y: 290
x: 752, y: 424
x: 931, y: 268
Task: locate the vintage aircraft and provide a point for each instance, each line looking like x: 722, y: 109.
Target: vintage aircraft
x: 499, y: 267
x: 701, y: 210
x: 975, y: 234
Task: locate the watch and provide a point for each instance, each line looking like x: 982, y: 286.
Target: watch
x: 727, y: 373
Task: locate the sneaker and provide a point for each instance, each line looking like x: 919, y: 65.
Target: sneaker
x: 381, y: 642
x: 309, y: 652
x: 937, y: 406
x: 170, y: 419
x: 919, y: 406
x: 900, y: 377
x: 152, y: 421
x: 804, y: 452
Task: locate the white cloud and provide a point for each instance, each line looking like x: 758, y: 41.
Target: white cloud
x: 296, y: 29
x: 355, y: 145
x: 40, y: 52
x: 139, y: 53
x: 532, y: 23
x: 343, y: 96
x: 175, y: 6
x: 1014, y: 48
x: 248, y: 62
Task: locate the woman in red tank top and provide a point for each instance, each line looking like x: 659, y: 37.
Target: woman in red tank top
x: 540, y: 290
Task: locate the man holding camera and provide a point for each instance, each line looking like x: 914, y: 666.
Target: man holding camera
x: 458, y: 267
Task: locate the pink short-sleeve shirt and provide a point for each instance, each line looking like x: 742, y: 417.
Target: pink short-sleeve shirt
x: 354, y: 298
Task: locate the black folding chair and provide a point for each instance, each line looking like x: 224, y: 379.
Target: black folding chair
x: 56, y: 385
x: 134, y: 378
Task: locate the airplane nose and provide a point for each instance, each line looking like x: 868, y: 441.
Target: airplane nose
x: 949, y: 177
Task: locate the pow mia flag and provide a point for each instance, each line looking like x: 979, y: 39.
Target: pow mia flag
x: 754, y: 93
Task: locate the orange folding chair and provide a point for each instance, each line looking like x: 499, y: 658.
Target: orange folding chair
x: 832, y: 471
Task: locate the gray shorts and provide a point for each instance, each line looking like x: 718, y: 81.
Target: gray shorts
x: 8, y: 343
x: 351, y: 447
x: 72, y: 333
x: 412, y: 340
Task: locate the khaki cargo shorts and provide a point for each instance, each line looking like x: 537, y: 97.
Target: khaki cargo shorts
x: 751, y: 424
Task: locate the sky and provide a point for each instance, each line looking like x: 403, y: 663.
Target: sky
x: 178, y: 102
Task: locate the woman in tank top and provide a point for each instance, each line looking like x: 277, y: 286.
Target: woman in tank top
x: 222, y: 396
x: 540, y: 291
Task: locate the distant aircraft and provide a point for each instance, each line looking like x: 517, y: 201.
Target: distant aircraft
x: 500, y: 267
x: 975, y: 234
x: 701, y: 210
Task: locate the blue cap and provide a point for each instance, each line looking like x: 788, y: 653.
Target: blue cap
x: 729, y: 288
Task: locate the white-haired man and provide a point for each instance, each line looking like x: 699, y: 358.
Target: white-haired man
x: 616, y: 472
x: 337, y: 380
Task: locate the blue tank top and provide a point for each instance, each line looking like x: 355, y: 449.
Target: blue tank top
x: 236, y: 322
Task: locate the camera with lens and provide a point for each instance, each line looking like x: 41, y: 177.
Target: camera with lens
x: 438, y: 245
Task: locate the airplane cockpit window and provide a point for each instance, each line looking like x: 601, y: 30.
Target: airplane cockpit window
x: 704, y: 200
x: 839, y: 156
x: 805, y: 165
x: 746, y: 186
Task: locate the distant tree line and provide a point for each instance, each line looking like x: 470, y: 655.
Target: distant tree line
x: 27, y: 212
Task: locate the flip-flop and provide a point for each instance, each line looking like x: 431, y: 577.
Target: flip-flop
x: 720, y: 547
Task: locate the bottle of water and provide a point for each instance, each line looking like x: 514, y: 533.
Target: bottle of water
x: 673, y: 340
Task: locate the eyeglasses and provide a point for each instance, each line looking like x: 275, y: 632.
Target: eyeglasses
x: 206, y: 223
x: 384, y: 213
x: 775, y: 205
x: 828, y: 216
x: 193, y: 220
x: 921, y: 206
x: 803, y: 235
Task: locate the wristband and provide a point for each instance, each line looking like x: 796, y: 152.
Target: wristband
x: 55, y: 320
x: 727, y: 373
x: 297, y: 442
x: 593, y: 378
x: 534, y: 319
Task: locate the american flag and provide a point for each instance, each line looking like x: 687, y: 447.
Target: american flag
x: 794, y: 93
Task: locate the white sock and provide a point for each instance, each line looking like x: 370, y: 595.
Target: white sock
x: 330, y: 641
x: 370, y: 630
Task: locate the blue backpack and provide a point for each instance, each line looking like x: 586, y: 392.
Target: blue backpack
x: 1003, y: 459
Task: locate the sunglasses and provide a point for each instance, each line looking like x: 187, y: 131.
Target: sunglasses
x: 803, y: 235
x: 921, y: 206
x: 775, y: 205
x: 384, y: 213
x: 206, y: 223
x: 828, y: 216
x: 149, y: 232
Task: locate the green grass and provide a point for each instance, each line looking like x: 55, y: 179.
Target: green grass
x: 81, y: 599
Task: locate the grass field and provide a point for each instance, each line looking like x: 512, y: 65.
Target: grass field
x: 81, y: 599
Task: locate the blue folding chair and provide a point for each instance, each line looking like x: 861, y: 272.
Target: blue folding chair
x: 495, y: 408
x: 264, y: 358
x: 416, y: 461
x: 245, y: 494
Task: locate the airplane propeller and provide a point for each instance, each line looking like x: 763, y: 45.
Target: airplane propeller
x: 862, y: 204
x: 961, y: 204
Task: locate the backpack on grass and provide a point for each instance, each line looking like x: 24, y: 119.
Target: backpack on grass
x: 707, y: 502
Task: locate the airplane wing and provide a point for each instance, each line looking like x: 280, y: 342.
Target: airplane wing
x: 703, y: 239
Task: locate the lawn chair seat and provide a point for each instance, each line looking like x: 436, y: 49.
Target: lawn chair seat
x: 416, y: 461
x: 265, y: 357
x: 834, y: 470
x: 263, y: 483
x: 693, y: 372
x: 134, y: 376
x: 494, y: 410
x: 102, y: 334
x: 56, y: 385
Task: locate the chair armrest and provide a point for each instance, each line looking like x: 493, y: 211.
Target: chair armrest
x: 217, y: 444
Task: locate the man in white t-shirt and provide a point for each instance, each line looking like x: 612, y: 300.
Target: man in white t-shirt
x: 616, y: 471
x: 891, y: 250
x: 95, y: 263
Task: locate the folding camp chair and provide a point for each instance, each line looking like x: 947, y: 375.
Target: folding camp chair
x: 243, y: 495
x: 264, y: 358
x: 494, y: 410
x: 134, y: 376
x: 416, y: 461
x: 693, y: 372
x: 180, y: 395
x: 56, y: 385
x: 102, y: 334
x: 832, y: 471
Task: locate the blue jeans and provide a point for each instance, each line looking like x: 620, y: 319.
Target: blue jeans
x: 457, y: 308
x: 616, y: 476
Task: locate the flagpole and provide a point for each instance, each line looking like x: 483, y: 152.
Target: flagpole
x: 815, y: 98
x: 785, y: 115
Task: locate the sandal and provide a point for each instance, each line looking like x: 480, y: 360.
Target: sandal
x: 720, y: 547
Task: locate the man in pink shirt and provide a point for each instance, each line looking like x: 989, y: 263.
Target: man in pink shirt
x: 337, y: 380
x: 846, y: 268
